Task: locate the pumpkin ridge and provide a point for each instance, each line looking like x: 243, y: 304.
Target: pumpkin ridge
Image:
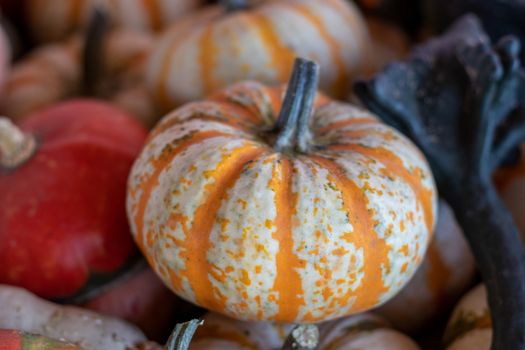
x: 281, y: 56
x: 344, y: 123
x: 375, y: 249
x: 207, y: 52
x: 197, y: 243
x: 340, y: 83
x: 395, y: 165
x: 148, y: 184
x: 287, y: 283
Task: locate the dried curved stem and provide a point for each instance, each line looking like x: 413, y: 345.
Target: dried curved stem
x: 181, y: 337
x: 296, y: 111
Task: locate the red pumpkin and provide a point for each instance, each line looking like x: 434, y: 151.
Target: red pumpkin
x: 62, y: 192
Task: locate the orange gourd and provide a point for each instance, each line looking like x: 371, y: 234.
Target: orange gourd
x: 221, y: 45
x: 51, y: 20
x: 300, y: 210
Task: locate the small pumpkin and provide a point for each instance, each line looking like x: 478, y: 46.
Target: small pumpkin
x: 447, y: 272
x: 470, y: 326
x: 17, y: 340
x: 51, y: 20
x: 296, y: 211
x: 221, y: 45
x: 54, y: 72
x: 26, y: 312
x: 364, y: 331
x: 63, y: 172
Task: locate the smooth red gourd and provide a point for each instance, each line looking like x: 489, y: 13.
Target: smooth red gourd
x: 63, y: 205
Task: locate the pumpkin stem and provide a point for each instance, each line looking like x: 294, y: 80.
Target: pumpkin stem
x: 234, y: 5
x: 181, y: 337
x: 302, y: 337
x: 293, y: 122
x: 15, y: 146
x: 92, y: 55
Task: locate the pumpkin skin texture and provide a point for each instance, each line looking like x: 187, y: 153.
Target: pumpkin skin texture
x: 52, y: 20
x: 213, y: 49
x: 25, y: 311
x: 16, y: 340
x: 53, y: 73
x: 65, y: 215
x: 236, y: 227
x: 448, y: 270
x: 364, y: 331
x: 470, y: 326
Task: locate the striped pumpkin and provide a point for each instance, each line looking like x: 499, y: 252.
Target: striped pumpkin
x: 17, y: 340
x: 54, y: 72
x: 52, y: 20
x: 446, y: 273
x: 364, y: 331
x: 470, y: 326
x: 326, y: 217
x: 215, y: 48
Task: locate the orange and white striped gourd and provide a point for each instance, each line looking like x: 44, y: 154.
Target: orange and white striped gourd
x: 364, y: 331
x: 447, y: 272
x: 216, y: 47
x: 297, y: 211
x: 54, y: 72
x: 52, y: 20
x: 470, y: 326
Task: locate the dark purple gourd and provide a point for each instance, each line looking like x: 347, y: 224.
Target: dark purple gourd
x: 499, y: 17
x: 462, y: 101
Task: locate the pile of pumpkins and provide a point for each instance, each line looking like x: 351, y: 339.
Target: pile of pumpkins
x: 153, y: 150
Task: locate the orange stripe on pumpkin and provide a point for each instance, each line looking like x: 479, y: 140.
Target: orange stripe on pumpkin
x: 159, y: 164
x: 340, y: 86
x: 394, y: 164
x: 364, y: 236
x: 281, y: 56
x: 75, y: 13
x: 197, y: 243
x: 288, y: 283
